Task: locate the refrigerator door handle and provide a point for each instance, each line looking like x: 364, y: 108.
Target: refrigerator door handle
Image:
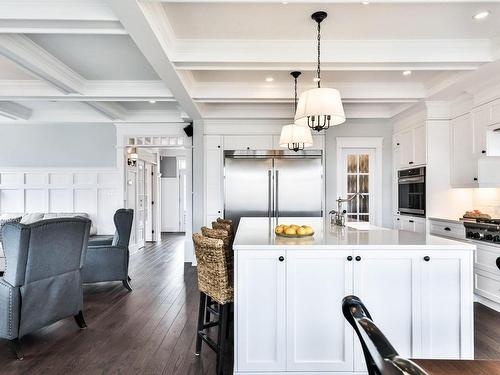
x: 269, y: 194
x: 276, y: 198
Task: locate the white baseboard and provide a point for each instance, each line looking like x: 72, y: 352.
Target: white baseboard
x: 486, y: 302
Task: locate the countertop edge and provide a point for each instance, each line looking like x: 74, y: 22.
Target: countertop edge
x: 464, y: 246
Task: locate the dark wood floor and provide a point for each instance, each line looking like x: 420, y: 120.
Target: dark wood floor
x: 152, y: 329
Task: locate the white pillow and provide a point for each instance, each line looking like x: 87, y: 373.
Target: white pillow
x: 31, y: 218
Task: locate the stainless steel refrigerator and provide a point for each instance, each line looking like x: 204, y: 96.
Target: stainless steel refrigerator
x: 273, y: 184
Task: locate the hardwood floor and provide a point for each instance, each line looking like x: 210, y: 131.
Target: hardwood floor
x: 148, y: 331
x: 152, y: 329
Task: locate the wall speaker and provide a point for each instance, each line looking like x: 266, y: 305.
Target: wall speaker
x: 189, y: 130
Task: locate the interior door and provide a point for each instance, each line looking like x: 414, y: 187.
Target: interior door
x: 248, y: 185
x: 140, y: 209
x: 298, y: 187
x: 148, y: 199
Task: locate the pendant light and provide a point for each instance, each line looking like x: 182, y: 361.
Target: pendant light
x: 293, y: 136
x: 320, y: 108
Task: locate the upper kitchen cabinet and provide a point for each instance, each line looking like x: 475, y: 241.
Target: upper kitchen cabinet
x: 486, y: 122
x: 410, y: 146
x: 248, y: 142
x: 464, y: 164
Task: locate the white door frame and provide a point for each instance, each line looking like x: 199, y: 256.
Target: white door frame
x: 374, y: 143
x: 173, y: 130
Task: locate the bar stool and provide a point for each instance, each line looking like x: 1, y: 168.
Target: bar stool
x: 228, y: 222
x: 213, y: 282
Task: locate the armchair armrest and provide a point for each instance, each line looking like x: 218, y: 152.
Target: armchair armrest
x: 9, y: 310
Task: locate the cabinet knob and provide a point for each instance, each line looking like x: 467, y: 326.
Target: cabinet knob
x: 397, y: 144
x: 411, y: 221
x: 358, y: 258
x: 281, y: 258
x: 483, y: 152
x: 427, y: 258
x: 218, y: 212
x: 349, y: 258
x: 447, y: 229
x: 218, y: 146
x: 248, y: 148
x: 410, y: 162
x: 475, y: 178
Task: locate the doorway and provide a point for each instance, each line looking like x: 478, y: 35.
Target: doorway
x: 173, y: 191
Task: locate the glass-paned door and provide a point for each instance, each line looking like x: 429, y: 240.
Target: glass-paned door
x: 358, y: 178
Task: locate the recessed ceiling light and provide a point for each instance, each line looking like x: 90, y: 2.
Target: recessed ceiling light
x: 481, y: 15
x: 152, y: 101
x: 407, y: 73
x: 269, y: 79
x: 284, y: 2
x: 316, y: 79
x: 365, y: 2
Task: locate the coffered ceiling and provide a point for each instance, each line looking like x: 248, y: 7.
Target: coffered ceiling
x: 176, y: 60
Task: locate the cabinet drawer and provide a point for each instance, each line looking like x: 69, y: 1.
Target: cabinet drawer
x: 487, y: 285
x: 452, y: 230
x: 485, y: 258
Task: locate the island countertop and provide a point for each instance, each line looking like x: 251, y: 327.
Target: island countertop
x: 258, y: 234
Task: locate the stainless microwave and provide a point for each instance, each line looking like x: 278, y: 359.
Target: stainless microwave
x: 411, y: 191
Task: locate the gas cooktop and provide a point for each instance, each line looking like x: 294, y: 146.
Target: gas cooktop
x: 486, y: 230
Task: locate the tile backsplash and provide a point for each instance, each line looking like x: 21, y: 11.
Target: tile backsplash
x: 487, y: 200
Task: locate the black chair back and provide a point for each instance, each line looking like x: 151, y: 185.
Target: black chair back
x: 381, y: 357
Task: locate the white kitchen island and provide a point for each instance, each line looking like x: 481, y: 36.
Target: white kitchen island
x: 288, y: 295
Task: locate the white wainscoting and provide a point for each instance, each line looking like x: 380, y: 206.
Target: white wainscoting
x: 94, y: 191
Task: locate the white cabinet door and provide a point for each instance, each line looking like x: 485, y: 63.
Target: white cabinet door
x: 248, y: 142
x: 406, y: 148
x: 318, y: 336
x: 382, y: 279
x: 260, y: 309
x: 420, y: 145
x: 213, y: 177
x: 480, y: 120
x: 447, y: 321
x: 464, y: 166
x: 495, y: 112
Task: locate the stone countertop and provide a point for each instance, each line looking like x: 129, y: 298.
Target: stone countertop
x: 258, y: 234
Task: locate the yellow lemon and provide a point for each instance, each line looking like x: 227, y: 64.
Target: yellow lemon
x: 290, y: 231
x: 279, y: 229
x: 294, y: 226
x: 301, y: 231
x: 308, y: 229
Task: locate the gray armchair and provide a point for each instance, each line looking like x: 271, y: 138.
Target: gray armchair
x: 42, y: 283
x: 110, y: 262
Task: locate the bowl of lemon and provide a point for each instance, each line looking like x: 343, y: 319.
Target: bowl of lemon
x: 294, y: 231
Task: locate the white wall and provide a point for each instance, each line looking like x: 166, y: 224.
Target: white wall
x: 57, y: 145
x: 361, y: 128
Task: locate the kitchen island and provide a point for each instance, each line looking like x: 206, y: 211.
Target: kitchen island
x: 288, y: 294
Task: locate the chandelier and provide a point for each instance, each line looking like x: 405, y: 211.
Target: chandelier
x: 293, y: 136
x: 320, y: 107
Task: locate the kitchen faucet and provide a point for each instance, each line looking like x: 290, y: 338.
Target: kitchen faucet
x: 337, y: 216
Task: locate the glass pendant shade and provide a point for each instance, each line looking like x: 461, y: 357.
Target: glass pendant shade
x: 320, y: 108
x: 295, y: 137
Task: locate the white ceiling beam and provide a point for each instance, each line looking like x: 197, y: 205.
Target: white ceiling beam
x: 113, y: 111
x: 15, y: 111
x: 93, y: 91
x: 281, y: 93
x: 258, y: 52
x: 33, y: 58
x: 61, y: 27
x: 146, y: 25
x: 285, y: 111
x: 325, y: 66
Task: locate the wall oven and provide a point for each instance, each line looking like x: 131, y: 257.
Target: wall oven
x: 411, y: 191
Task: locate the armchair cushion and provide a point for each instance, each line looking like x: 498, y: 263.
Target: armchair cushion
x: 105, y: 263
x: 10, y: 301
